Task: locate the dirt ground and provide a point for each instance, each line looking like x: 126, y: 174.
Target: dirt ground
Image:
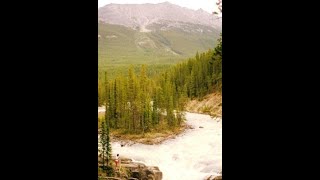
x: 211, y: 104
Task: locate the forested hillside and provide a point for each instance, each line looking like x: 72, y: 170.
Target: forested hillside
x: 138, y: 103
x: 142, y: 34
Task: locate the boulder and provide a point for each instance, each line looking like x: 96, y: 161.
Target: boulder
x: 130, y: 166
x: 140, y: 171
x: 212, y: 177
x: 109, y: 178
x: 200, y: 127
x: 137, y: 171
x: 140, y: 165
x: 136, y: 174
x: 157, y: 175
x: 148, y: 172
x: 151, y: 177
x: 125, y: 160
x: 153, y: 167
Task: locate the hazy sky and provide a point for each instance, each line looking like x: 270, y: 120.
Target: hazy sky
x: 207, y: 5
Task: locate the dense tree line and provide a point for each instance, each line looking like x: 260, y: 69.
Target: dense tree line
x: 200, y: 75
x: 137, y: 103
x: 152, y: 71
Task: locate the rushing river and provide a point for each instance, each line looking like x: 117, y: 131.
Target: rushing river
x: 193, y: 155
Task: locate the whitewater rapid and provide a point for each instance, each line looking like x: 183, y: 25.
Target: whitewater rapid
x: 101, y: 109
x: 193, y: 155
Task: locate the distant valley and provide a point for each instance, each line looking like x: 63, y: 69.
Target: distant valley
x: 155, y: 34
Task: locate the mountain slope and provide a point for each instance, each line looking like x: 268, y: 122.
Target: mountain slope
x: 141, y: 15
x: 154, y: 34
x: 119, y: 44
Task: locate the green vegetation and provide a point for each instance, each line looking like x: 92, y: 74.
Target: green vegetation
x: 105, y: 142
x: 106, y: 147
x: 141, y: 103
x: 106, y: 171
x: 136, y: 104
x: 150, y: 79
x: 119, y: 47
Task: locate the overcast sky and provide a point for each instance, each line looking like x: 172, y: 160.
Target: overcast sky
x: 207, y: 5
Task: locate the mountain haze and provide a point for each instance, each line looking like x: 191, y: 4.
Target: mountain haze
x: 155, y: 34
x: 142, y: 15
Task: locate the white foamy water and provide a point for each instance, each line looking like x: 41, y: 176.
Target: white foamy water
x: 193, y: 155
x: 101, y: 109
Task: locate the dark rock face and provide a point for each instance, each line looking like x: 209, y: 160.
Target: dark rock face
x: 111, y: 178
x: 134, y: 170
x: 135, y: 174
x: 211, y: 177
x: 141, y: 171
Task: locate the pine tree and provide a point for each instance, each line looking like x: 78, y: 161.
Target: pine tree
x: 155, y: 116
x: 147, y: 113
x: 197, y: 56
x: 105, y: 137
x: 125, y: 105
x: 108, y: 144
x: 116, y: 102
x: 131, y: 99
x: 106, y: 115
x: 103, y: 141
x: 170, y: 114
x: 101, y: 97
x: 137, y: 104
x: 143, y: 100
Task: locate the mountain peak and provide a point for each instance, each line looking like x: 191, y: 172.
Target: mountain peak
x: 142, y: 15
x: 166, y: 2
x: 200, y: 10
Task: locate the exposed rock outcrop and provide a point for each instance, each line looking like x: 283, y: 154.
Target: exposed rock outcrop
x: 139, y: 16
x: 212, y: 177
x: 143, y: 172
x: 109, y: 178
x: 211, y: 104
x: 134, y: 171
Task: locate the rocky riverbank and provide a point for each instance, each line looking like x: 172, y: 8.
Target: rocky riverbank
x: 204, y: 138
x: 152, y: 138
x: 211, y: 104
x: 212, y: 177
x: 134, y: 171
